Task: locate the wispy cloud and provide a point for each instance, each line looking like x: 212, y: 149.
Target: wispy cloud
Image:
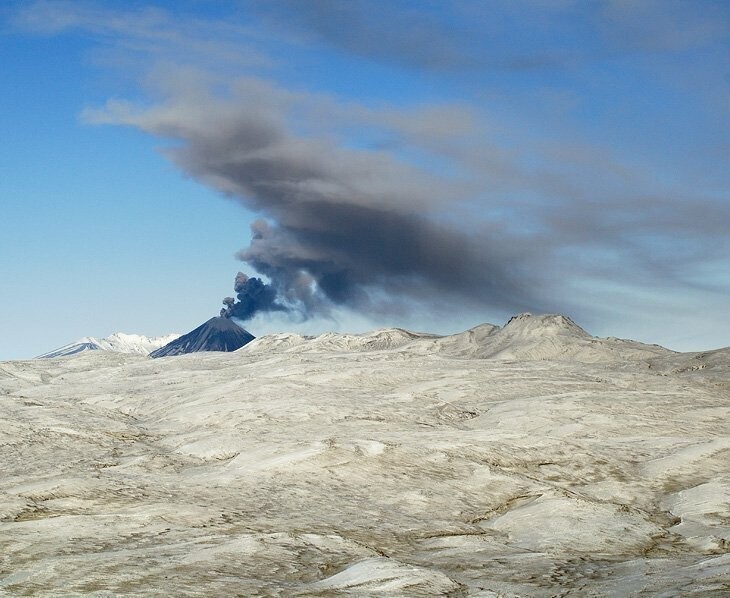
x: 425, y: 35
x: 473, y: 35
x: 150, y: 31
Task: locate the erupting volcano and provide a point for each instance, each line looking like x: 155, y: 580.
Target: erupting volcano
x: 217, y: 334
x: 222, y: 333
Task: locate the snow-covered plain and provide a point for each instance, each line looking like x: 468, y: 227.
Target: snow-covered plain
x: 532, y: 460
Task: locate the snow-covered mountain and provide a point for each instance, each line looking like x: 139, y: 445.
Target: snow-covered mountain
x: 545, y: 337
x: 119, y: 342
x: 524, y: 337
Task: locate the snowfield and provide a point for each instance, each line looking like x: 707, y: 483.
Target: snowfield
x: 528, y: 460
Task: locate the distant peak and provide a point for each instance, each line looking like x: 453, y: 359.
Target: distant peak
x: 217, y: 334
x: 118, y: 342
x: 523, y: 316
x: 543, y: 323
x: 223, y: 323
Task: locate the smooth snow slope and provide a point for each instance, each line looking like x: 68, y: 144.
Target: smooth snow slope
x: 119, y: 342
x: 396, y: 471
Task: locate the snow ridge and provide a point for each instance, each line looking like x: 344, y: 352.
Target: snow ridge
x: 523, y: 337
x: 119, y: 342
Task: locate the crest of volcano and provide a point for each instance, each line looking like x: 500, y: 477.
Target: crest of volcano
x: 217, y: 334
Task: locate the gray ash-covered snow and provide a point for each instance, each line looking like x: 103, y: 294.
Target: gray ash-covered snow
x: 531, y: 459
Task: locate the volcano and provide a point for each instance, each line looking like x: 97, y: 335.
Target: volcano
x: 217, y: 334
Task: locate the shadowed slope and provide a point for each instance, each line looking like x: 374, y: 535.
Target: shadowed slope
x: 217, y: 334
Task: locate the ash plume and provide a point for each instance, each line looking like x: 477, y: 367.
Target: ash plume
x: 253, y: 295
x: 356, y: 228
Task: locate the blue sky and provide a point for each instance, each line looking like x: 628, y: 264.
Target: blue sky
x: 431, y: 165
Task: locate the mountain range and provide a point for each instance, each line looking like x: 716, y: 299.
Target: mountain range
x: 525, y: 336
x: 119, y: 342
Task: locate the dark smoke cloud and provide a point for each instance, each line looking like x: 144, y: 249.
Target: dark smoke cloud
x: 254, y: 296
x: 349, y: 250
x: 340, y: 227
x: 367, y: 230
